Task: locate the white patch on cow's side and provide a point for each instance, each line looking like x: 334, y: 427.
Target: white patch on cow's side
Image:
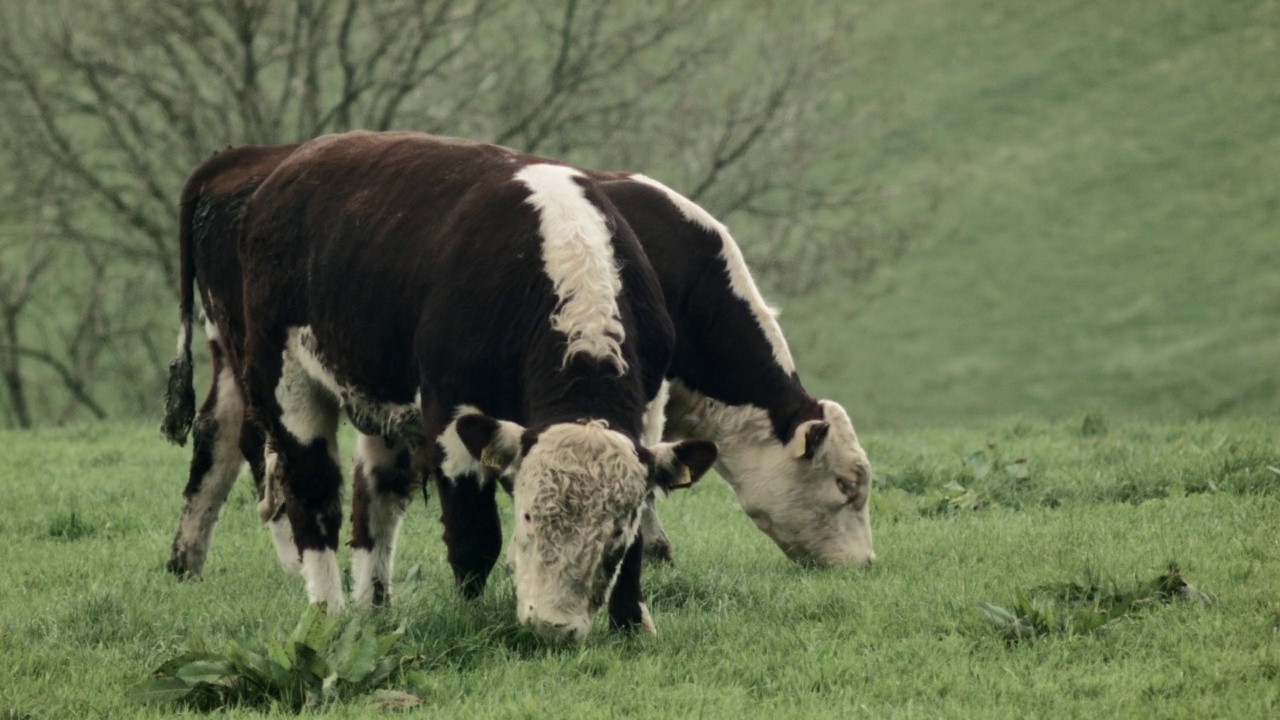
x: 796, y: 502
x: 385, y: 513
x: 286, y: 548
x: 324, y: 582
x: 201, y: 511
x: 300, y: 346
x: 308, y: 407
x: 577, y: 254
x: 655, y: 415
x: 740, y: 280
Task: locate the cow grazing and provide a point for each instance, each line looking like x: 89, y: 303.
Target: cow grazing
x: 794, y: 461
x: 209, y: 223
x: 503, y: 295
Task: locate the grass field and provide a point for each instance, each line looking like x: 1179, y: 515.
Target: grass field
x: 1102, y: 264
x: 1107, y: 237
x: 86, y: 611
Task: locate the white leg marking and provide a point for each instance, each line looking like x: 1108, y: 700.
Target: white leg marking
x: 362, y: 573
x: 286, y: 548
x: 324, y: 583
x: 386, y: 511
x: 577, y: 254
x: 184, y: 339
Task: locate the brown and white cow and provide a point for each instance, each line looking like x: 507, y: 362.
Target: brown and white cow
x: 383, y: 271
x: 795, y: 462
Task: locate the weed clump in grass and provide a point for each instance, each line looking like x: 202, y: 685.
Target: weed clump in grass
x: 1080, y: 608
x: 320, y: 662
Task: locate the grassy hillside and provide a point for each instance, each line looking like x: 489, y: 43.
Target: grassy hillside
x: 87, y: 612
x: 1110, y: 233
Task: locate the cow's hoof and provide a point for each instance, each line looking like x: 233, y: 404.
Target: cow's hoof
x: 471, y: 586
x: 178, y: 566
x: 646, y: 621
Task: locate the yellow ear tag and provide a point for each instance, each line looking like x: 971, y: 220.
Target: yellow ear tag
x: 800, y: 447
x: 685, y: 479
x: 490, y: 459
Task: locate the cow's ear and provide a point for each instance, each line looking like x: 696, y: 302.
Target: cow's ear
x: 495, y: 443
x: 808, y: 438
x: 679, y: 464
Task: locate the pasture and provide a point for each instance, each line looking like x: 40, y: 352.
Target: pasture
x: 87, y: 611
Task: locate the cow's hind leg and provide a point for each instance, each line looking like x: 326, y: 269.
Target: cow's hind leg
x: 305, y: 464
x: 215, y: 465
x: 656, y: 544
x: 271, y: 508
x: 382, y: 488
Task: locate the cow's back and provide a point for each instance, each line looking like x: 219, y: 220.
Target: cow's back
x: 436, y: 237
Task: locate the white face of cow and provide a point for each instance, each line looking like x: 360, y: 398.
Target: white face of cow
x: 579, y: 491
x: 810, y: 496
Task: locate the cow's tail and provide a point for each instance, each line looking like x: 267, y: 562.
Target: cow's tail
x: 180, y: 395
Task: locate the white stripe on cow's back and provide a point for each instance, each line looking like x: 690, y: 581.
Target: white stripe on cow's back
x: 577, y: 254
x: 740, y: 280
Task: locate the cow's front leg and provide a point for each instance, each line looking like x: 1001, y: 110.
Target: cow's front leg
x: 215, y: 465
x: 627, y: 610
x: 472, y: 529
x: 657, y: 546
x: 382, y: 489
x: 312, y: 482
x: 271, y: 506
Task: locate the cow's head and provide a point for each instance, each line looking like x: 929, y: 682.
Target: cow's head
x: 810, y: 494
x: 579, y: 490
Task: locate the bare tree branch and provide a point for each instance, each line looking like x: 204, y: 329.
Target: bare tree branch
x: 107, y: 107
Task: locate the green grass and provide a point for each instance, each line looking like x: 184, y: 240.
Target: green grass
x: 1107, y: 235
x: 86, y: 615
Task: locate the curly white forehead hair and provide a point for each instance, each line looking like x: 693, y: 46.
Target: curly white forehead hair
x: 582, y: 478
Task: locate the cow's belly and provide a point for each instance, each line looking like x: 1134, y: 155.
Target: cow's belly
x: 374, y: 401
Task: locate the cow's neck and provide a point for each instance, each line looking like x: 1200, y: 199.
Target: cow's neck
x: 612, y: 400
x: 740, y: 431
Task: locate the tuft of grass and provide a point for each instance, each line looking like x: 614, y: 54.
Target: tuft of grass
x: 742, y: 632
x: 1080, y: 608
x: 320, y: 662
x: 1093, y: 425
x: 70, y: 526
